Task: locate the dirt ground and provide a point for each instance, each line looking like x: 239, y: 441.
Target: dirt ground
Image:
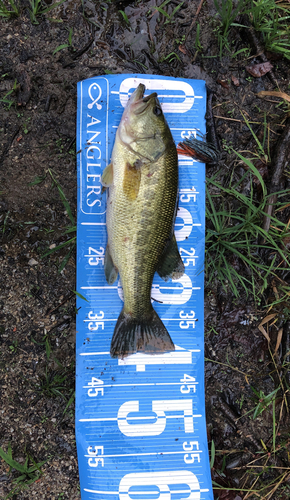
x: 37, y: 303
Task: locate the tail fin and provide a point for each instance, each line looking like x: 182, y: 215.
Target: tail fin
x: 147, y: 335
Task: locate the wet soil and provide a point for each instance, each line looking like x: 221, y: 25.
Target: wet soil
x: 37, y: 306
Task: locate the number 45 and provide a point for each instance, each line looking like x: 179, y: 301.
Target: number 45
x: 190, y: 384
x: 96, y: 387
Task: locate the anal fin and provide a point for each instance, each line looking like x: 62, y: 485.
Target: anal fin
x: 111, y: 272
x: 170, y: 264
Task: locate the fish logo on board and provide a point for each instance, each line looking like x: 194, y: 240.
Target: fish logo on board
x: 95, y: 96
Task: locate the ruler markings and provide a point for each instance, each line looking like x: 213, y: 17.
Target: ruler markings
x: 116, y: 319
x: 116, y: 288
x: 137, y: 385
x: 141, y: 454
x: 173, y: 96
x: 138, y: 361
x: 94, y: 232
x: 102, y: 492
x: 115, y: 419
x: 93, y: 223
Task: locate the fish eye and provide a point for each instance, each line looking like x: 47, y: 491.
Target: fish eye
x: 157, y: 111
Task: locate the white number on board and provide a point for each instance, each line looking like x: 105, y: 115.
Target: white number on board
x: 159, y: 408
x: 189, y: 487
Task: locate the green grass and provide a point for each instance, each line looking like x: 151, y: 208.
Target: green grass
x: 197, y: 44
x: 39, y: 8
x: 171, y: 57
x: 269, y: 18
x: 70, y: 229
x: 169, y: 17
x: 236, y: 243
x: 262, y: 402
x: 5, y: 222
x: 71, y: 242
x: 227, y: 11
x: 248, y: 260
x: 262, y: 466
x: 65, y: 45
x: 8, y: 9
x: 30, y: 471
x: 272, y: 20
x: 212, y: 454
x: 56, y: 383
x: 235, y: 238
x: 125, y: 17
x: 7, y: 99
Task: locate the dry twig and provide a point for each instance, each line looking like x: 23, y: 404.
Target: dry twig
x: 194, y: 19
x: 279, y: 163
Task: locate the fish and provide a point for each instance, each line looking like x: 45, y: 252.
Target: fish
x: 142, y: 182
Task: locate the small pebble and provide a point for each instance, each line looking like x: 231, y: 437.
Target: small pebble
x: 32, y: 262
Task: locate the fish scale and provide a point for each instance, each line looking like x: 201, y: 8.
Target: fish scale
x: 139, y: 256
x: 143, y: 185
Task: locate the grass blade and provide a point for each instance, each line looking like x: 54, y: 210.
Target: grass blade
x: 58, y: 247
x: 80, y: 295
x: 212, y: 453
x: 9, y: 460
x: 63, y: 198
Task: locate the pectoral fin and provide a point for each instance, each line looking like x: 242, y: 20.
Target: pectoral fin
x: 170, y: 264
x: 111, y: 272
x: 107, y: 176
x: 131, y: 182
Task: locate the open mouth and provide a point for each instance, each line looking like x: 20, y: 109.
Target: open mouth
x: 150, y: 96
x: 139, y: 102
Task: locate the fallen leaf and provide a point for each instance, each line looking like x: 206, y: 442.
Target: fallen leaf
x: 182, y: 49
x: 273, y: 93
x: 263, y: 331
x: 235, y: 80
x: 279, y: 338
x: 268, y: 318
x: 275, y: 292
x: 258, y: 70
x: 223, y: 83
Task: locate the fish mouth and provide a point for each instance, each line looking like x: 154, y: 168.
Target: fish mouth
x: 138, y: 102
x: 149, y: 97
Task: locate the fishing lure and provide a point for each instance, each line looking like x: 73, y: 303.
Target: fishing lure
x: 199, y: 150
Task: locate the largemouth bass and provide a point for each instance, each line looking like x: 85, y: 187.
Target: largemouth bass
x: 141, y: 207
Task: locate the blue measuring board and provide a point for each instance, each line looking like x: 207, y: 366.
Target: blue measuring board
x: 140, y: 421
